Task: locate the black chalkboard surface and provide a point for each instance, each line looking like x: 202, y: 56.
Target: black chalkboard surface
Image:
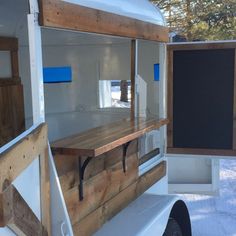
x: 203, y: 91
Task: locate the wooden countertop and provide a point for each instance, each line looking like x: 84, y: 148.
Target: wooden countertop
x: 97, y: 141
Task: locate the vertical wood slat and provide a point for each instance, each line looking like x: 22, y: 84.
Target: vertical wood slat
x: 65, y: 15
x: 12, y: 119
x: 170, y: 97
x: 92, y: 222
x: 14, y: 64
x: 18, y: 216
x: 45, y: 190
x: 16, y: 159
x: 132, y: 76
x: 234, y: 105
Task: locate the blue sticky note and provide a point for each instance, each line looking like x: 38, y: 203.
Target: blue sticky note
x: 57, y: 74
x: 156, y: 72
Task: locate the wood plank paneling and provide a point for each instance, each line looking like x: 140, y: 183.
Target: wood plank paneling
x: 18, y: 216
x: 64, y: 15
x: 8, y: 44
x: 97, y: 218
x: 201, y: 45
x: 199, y: 151
x: 18, y: 157
x: 234, y: 108
x: 170, y: 97
x: 12, y: 117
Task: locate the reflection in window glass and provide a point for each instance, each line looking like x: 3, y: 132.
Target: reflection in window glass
x: 115, y: 93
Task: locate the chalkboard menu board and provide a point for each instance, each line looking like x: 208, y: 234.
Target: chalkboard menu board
x: 203, y: 95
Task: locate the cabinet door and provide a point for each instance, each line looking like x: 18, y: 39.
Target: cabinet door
x: 202, y: 112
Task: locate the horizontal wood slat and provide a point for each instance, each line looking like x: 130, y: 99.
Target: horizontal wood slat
x: 68, y: 171
x: 97, y: 218
x: 8, y: 44
x: 106, y: 139
x: 100, y: 188
x: 16, y: 159
x: 201, y: 46
x: 19, y: 156
x: 17, y: 215
x: 64, y: 15
x: 199, y: 151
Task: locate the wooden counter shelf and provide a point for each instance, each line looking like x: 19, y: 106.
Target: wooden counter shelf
x: 97, y: 141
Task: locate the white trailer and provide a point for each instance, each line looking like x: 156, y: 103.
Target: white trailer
x: 72, y: 56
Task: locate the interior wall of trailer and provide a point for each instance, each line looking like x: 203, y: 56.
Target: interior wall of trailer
x: 148, y: 55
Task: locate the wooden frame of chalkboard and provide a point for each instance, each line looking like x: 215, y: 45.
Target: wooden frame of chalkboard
x: 193, y: 128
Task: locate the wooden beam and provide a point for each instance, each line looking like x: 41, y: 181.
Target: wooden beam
x: 45, y: 189
x: 201, y: 45
x: 14, y: 64
x: 64, y: 15
x: 9, y: 81
x: 170, y: 62
x: 97, y: 218
x: 17, y: 215
x: 132, y: 77
x: 8, y: 44
x: 16, y: 159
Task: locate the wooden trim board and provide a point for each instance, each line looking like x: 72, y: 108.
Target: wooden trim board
x: 18, y: 157
x: 132, y: 77
x: 64, y: 15
x: 17, y: 215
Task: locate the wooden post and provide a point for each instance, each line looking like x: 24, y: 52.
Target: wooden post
x: 132, y: 77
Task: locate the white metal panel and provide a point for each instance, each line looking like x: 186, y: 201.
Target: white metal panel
x: 193, y: 174
x: 138, y: 9
x: 28, y: 185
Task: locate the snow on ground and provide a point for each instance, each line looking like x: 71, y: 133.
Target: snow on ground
x: 216, y: 216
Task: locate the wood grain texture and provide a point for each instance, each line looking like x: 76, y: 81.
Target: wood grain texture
x: 12, y: 116
x: 103, y: 139
x: 132, y: 77
x: 234, y: 108
x: 199, y: 151
x: 8, y: 44
x: 68, y: 171
x: 64, y: 15
x: 101, y: 188
x: 91, y: 223
x: 201, y: 45
x: 16, y: 159
x: 45, y: 196
x: 18, y: 216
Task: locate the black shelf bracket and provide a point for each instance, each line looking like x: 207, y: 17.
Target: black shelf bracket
x: 125, y: 148
x: 82, y: 168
